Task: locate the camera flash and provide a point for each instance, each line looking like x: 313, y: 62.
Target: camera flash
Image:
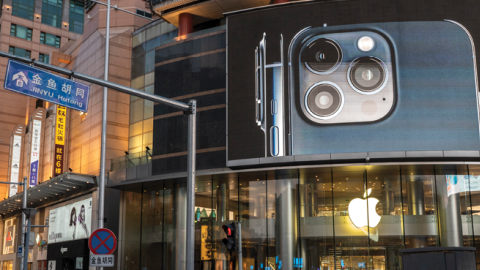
x: 365, y: 43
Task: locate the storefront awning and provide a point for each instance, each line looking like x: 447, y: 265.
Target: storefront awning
x: 55, y: 190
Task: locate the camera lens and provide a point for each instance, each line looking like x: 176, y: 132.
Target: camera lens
x: 324, y: 100
x: 367, y: 75
x: 322, y: 56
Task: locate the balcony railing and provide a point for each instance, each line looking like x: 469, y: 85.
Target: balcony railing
x: 131, y: 160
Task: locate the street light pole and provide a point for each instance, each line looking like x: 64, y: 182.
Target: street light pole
x: 24, y: 205
x: 101, y: 186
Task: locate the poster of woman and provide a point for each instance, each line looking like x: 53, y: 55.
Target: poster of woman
x: 71, y: 221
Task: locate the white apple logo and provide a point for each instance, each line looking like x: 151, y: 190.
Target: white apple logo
x: 357, y: 210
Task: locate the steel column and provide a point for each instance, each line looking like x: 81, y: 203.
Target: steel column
x: 24, y: 205
x: 181, y: 215
x: 192, y: 131
x: 101, y: 184
x: 27, y: 242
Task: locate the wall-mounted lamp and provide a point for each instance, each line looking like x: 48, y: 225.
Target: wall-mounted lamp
x: 126, y: 153
x: 70, y: 169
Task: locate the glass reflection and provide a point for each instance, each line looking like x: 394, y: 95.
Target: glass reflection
x: 355, y: 217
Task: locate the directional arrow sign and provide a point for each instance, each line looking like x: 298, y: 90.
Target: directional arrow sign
x: 41, y: 84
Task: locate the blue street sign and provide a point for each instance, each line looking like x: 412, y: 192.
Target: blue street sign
x: 41, y: 84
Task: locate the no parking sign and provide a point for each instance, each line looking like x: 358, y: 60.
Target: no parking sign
x: 102, y: 244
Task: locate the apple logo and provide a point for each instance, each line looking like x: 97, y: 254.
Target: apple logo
x: 362, y: 212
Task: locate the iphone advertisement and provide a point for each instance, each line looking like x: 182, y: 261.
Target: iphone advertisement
x: 311, y: 81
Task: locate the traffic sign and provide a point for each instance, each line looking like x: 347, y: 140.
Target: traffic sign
x: 19, y: 252
x: 102, y: 242
x: 38, y: 83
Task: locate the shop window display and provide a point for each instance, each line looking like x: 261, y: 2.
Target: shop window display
x: 356, y: 217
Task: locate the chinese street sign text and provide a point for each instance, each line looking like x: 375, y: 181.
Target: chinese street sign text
x: 38, y: 83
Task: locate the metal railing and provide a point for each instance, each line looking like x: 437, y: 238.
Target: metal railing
x: 131, y: 160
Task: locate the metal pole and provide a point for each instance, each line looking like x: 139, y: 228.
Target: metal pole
x: 239, y: 242
x: 192, y: 130
x: 27, y: 241
x: 115, y: 86
x: 24, y: 205
x: 101, y: 185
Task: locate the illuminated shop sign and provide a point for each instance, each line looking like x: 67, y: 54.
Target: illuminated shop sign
x: 9, y: 236
x: 60, y: 135
x: 70, y: 222
x: 15, y: 167
x: 363, y: 214
x: 324, y: 89
x: 35, y: 152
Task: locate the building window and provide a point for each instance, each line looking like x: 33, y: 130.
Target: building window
x: 49, y: 39
x: 76, y: 17
x: 23, y: 8
x: 44, y: 58
x: 19, y: 52
x: 52, y: 12
x: 144, y: 13
x: 21, y: 32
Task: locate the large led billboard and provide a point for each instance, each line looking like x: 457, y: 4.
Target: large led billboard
x: 352, y: 79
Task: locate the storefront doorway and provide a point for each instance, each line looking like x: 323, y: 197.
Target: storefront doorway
x: 68, y: 264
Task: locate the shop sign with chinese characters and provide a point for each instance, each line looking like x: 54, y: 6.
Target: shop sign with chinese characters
x: 60, y: 135
x: 35, y: 152
x: 101, y: 260
x: 38, y: 83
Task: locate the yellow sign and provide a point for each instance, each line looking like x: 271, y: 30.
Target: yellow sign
x: 60, y: 135
x: 60, y: 125
x: 205, y: 244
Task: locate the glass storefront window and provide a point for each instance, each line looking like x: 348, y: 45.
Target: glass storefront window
x: 355, y: 217
x: 7, y: 265
x: 419, y: 206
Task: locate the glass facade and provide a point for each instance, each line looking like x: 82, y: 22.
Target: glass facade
x: 52, y: 12
x: 355, y: 217
x: 76, y: 17
x: 143, y: 78
x: 23, y: 8
x: 21, y: 32
x: 49, y: 39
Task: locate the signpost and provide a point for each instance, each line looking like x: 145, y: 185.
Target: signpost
x: 102, y: 244
x: 27, y: 80
x: 41, y: 84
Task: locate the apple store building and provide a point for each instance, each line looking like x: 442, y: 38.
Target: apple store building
x: 346, y: 217
x: 354, y: 138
